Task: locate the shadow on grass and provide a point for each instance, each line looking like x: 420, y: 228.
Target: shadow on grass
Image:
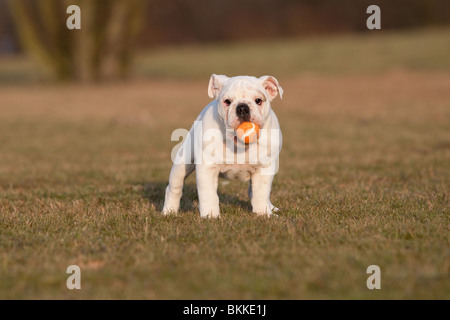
x: 154, y: 192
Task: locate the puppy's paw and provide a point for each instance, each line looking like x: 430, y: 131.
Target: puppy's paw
x: 168, y: 211
x: 212, y: 213
x: 274, y: 209
x: 263, y: 210
x: 211, y: 216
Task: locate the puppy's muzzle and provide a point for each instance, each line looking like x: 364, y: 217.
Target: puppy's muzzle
x: 243, y: 112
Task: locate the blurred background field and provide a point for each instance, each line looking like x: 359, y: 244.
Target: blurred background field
x: 413, y: 50
x: 365, y: 165
x: 190, y: 39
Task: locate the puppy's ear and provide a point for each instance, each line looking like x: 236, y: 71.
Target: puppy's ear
x: 270, y: 84
x: 216, y: 84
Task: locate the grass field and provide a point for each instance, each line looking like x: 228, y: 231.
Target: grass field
x: 364, y: 178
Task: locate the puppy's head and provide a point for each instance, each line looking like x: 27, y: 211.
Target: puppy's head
x: 243, y: 98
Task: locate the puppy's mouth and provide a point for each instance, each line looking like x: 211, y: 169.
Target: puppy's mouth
x: 237, y: 123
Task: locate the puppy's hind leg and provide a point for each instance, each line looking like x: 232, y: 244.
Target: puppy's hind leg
x: 174, y: 190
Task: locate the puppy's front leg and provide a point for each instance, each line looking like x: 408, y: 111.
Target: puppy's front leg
x: 261, y: 185
x: 208, y: 200
x: 174, y: 190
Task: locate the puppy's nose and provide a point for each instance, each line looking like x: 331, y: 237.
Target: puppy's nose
x: 243, y: 111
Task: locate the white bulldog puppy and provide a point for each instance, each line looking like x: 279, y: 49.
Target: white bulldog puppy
x: 212, y: 149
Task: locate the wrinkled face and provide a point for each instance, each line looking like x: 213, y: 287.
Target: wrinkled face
x: 243, y: 98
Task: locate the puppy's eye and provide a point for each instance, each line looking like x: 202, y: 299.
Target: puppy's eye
x: 227, y: 102
x: 258, y: 101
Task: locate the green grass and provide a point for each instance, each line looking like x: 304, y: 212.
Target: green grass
x: 368, y: 52
x: 364, y: 179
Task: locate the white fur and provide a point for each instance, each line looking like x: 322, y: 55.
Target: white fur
x: 217, y: 115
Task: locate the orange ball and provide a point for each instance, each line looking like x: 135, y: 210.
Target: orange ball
x: 248, y: 132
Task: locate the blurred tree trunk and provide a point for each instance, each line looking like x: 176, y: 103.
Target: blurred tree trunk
x: 100, y: 50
